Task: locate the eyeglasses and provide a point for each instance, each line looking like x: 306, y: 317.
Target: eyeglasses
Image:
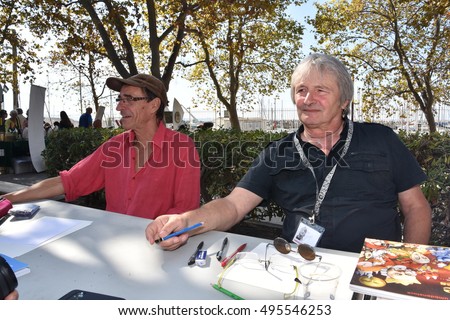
x: 304, y: 250
x: 129, y: 99
x: 277, y: 266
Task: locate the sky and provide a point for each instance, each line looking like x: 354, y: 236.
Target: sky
x: 59, y: 98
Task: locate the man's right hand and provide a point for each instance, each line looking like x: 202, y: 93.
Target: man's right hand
x: 164, y: 225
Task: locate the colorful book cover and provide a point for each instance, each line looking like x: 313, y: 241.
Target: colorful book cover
x: 397, y: 270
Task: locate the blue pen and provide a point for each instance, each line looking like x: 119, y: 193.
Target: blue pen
x: 177, y: 233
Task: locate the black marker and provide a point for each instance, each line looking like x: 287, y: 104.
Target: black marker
x: 192, y: 258
x: 220, y: 252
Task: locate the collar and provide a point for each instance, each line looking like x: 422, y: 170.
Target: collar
x: 157, y: 138
x: 342, y: 136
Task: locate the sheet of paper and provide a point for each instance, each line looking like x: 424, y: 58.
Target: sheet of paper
x: 20, y: 237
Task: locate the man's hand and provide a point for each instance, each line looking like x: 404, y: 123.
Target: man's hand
x: 164, y: 225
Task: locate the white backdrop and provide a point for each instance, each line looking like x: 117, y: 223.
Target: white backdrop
x: 36, y: 132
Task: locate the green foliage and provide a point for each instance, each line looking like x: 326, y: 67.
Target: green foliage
x: 65, y: 147
x: 226, y: 156
x: 432, y: 151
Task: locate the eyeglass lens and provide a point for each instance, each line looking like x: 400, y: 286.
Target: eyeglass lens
x: 306, y: 251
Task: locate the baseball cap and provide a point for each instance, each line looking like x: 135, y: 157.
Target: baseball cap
x: 141, y: 80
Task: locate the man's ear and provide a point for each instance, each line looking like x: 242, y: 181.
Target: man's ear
x: 154, y: 105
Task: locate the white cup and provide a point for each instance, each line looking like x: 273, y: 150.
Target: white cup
x: 319, y: 280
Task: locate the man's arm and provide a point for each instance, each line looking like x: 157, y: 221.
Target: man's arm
x: 417, y: 213
x: 219, y: 214
x: 44, y: 189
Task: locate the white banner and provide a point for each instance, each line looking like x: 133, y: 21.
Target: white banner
x: 177, y: 113
x: 36, y: 132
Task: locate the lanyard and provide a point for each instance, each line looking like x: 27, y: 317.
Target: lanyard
x: 320, y: 195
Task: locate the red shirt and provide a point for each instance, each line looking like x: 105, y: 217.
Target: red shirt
x: 168, y: 183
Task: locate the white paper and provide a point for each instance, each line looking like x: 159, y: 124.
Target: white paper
x: 17, y: 238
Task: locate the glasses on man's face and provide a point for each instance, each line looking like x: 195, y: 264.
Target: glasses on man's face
x: 129, y: 99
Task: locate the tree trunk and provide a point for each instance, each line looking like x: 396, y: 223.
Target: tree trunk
x: 430, y: 118
x: 234, y: 119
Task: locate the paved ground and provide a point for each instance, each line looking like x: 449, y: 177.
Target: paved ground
x: 11, y: 182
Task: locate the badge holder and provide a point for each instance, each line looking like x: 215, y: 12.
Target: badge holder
x: 308, y: 232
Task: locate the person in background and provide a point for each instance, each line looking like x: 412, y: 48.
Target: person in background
x: 65, y: 122
x: 13, y: 123
x: 86, y: 119
x: 3, y: 116
x: 146, y: 171
x: 25, y: 129
x: 22, y: 118
x: 47, y: 128
x: 341, y: 180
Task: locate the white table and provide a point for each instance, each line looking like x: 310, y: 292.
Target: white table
x: 112, y: 256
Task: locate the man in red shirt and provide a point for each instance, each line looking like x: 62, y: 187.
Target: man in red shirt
x: 146, y: 171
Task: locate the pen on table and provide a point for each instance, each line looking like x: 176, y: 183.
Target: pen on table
x: 177, y: 233
x: 220, y: 252
x: 227, y: 259
x: 192, y: 258
x: 228, y: 293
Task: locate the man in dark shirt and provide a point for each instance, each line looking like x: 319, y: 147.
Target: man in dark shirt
x: 338, y: 180
x: 86, y: 119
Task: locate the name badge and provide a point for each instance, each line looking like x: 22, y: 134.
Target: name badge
x: 308, y: 232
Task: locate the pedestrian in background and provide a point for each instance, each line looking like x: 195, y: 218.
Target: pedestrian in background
x: 86, y: 119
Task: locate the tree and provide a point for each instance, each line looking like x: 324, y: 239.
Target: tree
x: 133, y: 35
x: 17, y: 53
x: 153, y: 36
x: 398, y: 48
x: 242, y: 49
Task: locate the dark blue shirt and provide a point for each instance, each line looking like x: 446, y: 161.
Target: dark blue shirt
x: 362, y: 198
x: 85, y: 120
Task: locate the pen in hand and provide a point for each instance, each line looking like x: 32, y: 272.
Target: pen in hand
x: 177, y: 233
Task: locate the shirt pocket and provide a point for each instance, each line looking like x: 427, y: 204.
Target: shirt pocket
x: 293, y: 186
x: 365, y: 173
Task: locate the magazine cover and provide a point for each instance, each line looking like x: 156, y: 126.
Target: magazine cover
x: 397, y: 270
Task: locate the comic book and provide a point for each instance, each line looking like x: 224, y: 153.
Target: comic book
x: 397, y: 270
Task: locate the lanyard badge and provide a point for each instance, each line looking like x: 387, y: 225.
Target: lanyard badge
x: 308, y: 231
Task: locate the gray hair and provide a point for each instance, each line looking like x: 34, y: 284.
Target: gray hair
x: 325, y: 63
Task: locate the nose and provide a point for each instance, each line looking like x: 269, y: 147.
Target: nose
x: 308, y: 99
x: 120, y: 105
